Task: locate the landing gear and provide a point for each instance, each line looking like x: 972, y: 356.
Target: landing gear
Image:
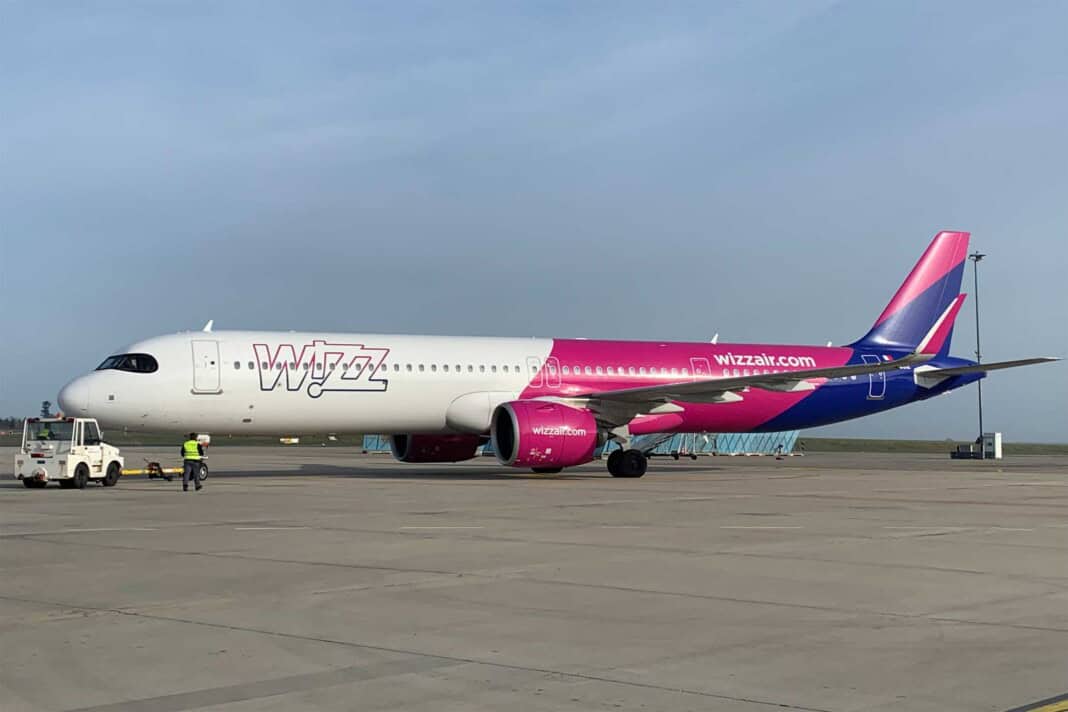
x: 627, y: 463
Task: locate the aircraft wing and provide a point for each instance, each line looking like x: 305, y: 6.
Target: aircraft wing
x: 724, y: 390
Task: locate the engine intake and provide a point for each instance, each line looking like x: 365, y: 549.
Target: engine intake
x: 542, y: 434
x: 434, y: 448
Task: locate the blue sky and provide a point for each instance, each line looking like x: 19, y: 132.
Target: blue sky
x: 768, y: 171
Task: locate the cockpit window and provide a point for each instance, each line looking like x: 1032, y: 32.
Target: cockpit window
x: 137, y: 363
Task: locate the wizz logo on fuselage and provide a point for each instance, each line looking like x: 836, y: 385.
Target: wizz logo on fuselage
x: 320, y: 367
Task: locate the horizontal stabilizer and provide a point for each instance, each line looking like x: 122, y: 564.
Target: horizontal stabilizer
x: 984, y: 367
x: 932, y: 376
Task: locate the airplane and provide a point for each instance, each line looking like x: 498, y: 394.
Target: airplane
x: 544, y: 404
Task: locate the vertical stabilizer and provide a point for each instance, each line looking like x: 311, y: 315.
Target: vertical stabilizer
x: 925, y: 299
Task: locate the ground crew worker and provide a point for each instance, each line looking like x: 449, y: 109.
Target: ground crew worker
x: 45, y: 433
x: 192, y: 452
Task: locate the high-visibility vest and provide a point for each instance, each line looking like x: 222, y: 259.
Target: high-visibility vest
x: 191, y: 450
x: 44, y: 433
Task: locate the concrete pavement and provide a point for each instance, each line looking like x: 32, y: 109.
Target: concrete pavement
x: 324, y: 579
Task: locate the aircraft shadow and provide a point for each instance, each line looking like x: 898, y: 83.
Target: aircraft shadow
x: 394, y: 473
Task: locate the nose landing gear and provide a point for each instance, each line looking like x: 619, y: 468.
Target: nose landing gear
x: 627, y: 463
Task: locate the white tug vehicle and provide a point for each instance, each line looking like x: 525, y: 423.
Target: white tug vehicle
x: 69, y: 451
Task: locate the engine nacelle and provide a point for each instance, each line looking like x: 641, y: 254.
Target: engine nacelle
x: 537, y: 434
x: 434, y: 448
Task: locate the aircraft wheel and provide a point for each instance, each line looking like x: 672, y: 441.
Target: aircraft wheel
x: 81, y: 477
x: 547, y: 470
x: 614, y: 459
x: 631, y: 463
x: 113, y: 475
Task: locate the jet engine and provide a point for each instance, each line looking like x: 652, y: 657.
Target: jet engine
x: 542, y: 435
x: 434, y: 448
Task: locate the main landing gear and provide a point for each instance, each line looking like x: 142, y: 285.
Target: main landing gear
x: 627, y: 463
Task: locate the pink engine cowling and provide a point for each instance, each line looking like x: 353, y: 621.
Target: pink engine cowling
x: 434, y: 448
x: 542, y: 434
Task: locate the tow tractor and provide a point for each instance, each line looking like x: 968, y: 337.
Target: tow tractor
x: 67, y: 450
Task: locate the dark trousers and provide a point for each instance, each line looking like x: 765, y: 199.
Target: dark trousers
x: 191, y: 469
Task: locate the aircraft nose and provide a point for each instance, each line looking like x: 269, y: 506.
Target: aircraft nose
x: 74, y: 397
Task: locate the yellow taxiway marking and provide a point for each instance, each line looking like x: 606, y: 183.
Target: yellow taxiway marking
x: 1052, y: 707
x: 1054, y: 704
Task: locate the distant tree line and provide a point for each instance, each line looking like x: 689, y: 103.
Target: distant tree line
x: 10, y: 423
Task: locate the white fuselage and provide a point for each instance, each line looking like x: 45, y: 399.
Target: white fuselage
x: 293, y: 382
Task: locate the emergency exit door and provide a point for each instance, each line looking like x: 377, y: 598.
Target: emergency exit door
x: 206, y: 367
x: 876, y: 381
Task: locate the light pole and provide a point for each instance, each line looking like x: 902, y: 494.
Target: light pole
x: 975, y: 257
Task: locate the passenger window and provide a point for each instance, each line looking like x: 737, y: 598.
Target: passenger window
x: 686, y: 372
x: 445, y: 368
x: 293, y: 365
x: 408, y: 367
x: 434, y: 367
x: 458, y: 368
x: 642, y: 370
x: 470, y: 368
x: 630, y: 370
x: 589, y: 371
x: 611, y: 371
x: 305, y: 366
x: 600, y: 371
x: 396, y: 367
x: 566, y: 370
x: 251, y: 365
x: 482, y: 368
x: 422, y: 367
x: 493, y: 369
x: 237, y: 365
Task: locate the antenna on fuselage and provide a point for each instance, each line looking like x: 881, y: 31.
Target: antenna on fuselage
x: 715, y: 338
x: 207, y: 327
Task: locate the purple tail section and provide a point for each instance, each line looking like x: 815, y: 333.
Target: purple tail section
x: 924, y: 297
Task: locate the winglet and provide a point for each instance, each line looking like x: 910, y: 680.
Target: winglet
x: 936, y: 338
x: 207, y: 327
